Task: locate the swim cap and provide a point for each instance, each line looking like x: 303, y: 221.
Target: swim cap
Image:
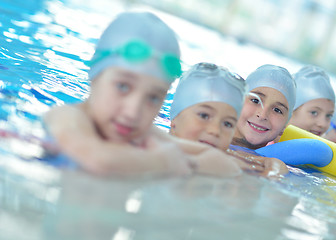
x: 206, y: 82
x: 274, y: 77
x: 312, y: 83
x: 139, y: 34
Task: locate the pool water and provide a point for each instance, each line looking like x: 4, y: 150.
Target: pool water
x: 43, y: 47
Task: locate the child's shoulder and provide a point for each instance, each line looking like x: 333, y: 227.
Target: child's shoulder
x: 66, y: 109
x: 65, y: 113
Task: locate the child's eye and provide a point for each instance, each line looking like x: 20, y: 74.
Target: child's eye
x: 314, y: 113
x: 155, y: 99
x: 123, y: 87
x: 204, y: 116
x: 277, y: 110
x: 329, y: 116
x: 227, y: 124
x: 254, y: 100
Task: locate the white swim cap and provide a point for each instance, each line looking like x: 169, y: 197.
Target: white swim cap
x: 206, y: 82
x: 312, y: 83
x: 274, y: 77
x: 139, y: 42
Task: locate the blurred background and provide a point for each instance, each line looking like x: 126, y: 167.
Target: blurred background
x: 303, y: 30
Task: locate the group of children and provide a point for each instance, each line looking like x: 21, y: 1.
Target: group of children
x: 216, y: 116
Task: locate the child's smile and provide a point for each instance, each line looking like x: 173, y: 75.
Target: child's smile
x: 257, y: 128
x: 262, y: 123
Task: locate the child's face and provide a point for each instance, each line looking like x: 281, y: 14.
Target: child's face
x: 314, y: 116
x: 331, y: 135
x: 212, y: 123
x: 123, y: 104
x: 258, y: 125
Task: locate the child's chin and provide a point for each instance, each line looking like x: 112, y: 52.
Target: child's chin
x: 257, y: 142
x: 116, y: 138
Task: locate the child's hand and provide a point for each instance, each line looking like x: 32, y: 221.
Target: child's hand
x: 201, y: 158
x: 250, y: 166
x: 216, y: 163
x: 174, y: 161
x: 274, y: 168
x: 268, y: 167
x: 263, y: 166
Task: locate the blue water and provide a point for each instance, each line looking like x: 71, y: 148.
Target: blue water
x: 43, y: 47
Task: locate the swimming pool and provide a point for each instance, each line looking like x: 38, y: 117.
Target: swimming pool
x: 43, y: 46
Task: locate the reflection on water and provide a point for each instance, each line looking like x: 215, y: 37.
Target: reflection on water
x: 73, y: 205
x: 193, y: 208
x: 43, y: 47
x: 28, y: 190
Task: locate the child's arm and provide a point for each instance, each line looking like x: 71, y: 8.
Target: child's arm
x: 204, y: 159
x: 213, y: 161
x: 210, y: 160
x: 77, y: 137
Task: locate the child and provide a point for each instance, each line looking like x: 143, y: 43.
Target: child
x: 111, y: 132
x: 206, y: 107
x: 263, y: 118
x: 207, y: 104
x: 315, y: 100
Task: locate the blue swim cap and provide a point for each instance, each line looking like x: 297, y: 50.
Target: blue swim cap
x: 312, y: 83
x: 206, y: 82
x: 274, y: 77
x: 142, y: 34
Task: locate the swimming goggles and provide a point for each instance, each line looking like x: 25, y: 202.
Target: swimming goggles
x: 136, y: 51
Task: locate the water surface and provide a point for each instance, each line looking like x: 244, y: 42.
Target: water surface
x: 43, y: 47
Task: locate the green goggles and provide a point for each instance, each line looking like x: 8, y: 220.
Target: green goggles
x: 136, y: 51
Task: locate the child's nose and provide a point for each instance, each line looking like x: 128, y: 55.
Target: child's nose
x: 262, y: 113
x: 132, y: 108
x: 213, y: 128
